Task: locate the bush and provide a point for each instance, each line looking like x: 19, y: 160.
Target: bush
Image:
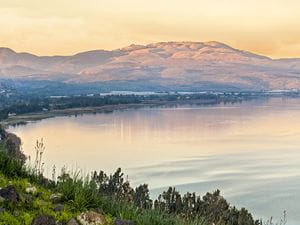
x: 12, y: 167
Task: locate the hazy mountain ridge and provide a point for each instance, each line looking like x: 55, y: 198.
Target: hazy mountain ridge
x: 200, y: 65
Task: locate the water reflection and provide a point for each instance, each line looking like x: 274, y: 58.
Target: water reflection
x: 249, y: 150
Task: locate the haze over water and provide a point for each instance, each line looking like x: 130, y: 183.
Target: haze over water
x: 250, y: 150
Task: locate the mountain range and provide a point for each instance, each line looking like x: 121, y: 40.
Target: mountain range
x: 165, y: 65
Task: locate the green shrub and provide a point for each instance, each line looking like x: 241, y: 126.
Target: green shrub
x: 12, y: 167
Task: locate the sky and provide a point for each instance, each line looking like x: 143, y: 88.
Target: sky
x: 65, y: 27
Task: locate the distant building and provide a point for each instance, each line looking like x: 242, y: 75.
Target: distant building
x: 11, y: 114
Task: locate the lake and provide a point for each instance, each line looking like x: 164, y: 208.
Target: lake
x: 249, y: 150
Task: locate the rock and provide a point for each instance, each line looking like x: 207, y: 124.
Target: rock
x: 60, y: 223
x: 2, y: 210
x: 123, y: 222
x: 91, y: 218
x: 27, y: 198
x: 10, y: 194
x: 73, y: 222
x: 44, y: 220
x: 31, y: 190
x: 56, y: 198
x: 59, y: 208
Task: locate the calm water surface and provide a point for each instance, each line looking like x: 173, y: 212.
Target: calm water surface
x: 250, y: 150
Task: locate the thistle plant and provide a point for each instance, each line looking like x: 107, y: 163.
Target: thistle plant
x: 39, y: 151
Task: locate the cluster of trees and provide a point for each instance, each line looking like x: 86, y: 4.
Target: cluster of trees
x: 18, y: 104
x: 92, y: 101
x: 212, y: 206
x: 21, y: 104
x: 115, y: 186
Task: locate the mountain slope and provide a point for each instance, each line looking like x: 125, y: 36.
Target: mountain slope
x: 192, y: 65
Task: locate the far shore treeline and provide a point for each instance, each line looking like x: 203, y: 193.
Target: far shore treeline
x: 24, y: 104
x: 14, y: 104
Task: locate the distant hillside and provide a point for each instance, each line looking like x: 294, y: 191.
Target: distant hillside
x: 166, y: 65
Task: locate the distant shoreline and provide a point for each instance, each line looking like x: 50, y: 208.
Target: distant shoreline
x: 31, y: 117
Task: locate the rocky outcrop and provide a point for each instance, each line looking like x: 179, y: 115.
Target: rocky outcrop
x: 10, y: 194
x: 72, y: 222
x: 31, y: 190
x: 91, y: 218
x: 44, y: 220
x: 13, y: 143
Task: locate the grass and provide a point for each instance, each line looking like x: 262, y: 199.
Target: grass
x: 25, y: 211
x: 79, y: 195
x: 82, y: 194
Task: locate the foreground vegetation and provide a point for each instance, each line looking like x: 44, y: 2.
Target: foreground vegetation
x: 110, y: 195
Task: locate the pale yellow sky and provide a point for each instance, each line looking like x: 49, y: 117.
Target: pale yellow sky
x: 49, y: 27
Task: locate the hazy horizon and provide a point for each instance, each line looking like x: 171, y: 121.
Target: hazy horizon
x: 67, y: 27
x: 132, y: 44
